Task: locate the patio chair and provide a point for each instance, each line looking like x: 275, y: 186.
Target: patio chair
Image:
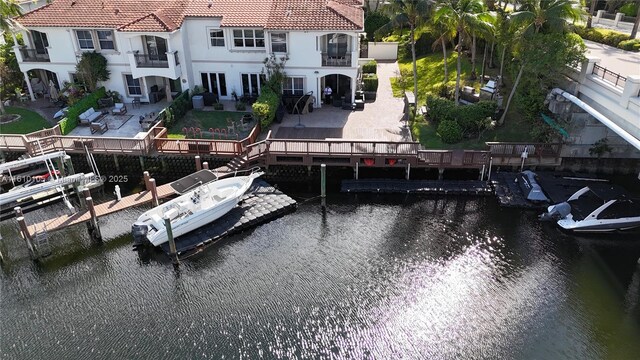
x: 119, y: 109
x: 99, y: 126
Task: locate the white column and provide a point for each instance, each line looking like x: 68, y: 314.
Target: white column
x: 617, y: 19
x: 353, y: 88
x: 26, y: 78
x: 599, y: 14
x: 631, y: 89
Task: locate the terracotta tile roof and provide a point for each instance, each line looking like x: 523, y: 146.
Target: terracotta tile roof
x: 168, y: 15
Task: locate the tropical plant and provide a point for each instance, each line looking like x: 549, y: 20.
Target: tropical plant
x: 412, y: 13
x: 447, y: 33
x: 92, y: 68
x: 8, y: 10
x: 274, y: 70
x: 466, y: 16
x: 534, y: 17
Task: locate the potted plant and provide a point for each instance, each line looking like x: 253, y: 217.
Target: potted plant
x: 218, y: 106
x: 240, y: 106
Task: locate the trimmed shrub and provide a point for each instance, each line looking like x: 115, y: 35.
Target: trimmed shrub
x: 370, y: 82
x: 370, y: 68
x: 630, y: 45
x: 602, y: 36
x: 177, y: 109
x: 240, y: 106
x: 265, y: 107
x: 450, y: 132
x: 218, y: 106
x: 70, y: 121
x: 629, y: 9
x: 440, y: 109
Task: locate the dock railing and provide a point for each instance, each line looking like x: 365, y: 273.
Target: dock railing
x: 515, y: 149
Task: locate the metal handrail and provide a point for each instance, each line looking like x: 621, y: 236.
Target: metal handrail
x: 608, y: 75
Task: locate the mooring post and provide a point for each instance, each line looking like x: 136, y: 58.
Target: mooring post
x: 115, y: 162
x: 141, y: 162
x: 355, y: 170
x: 323, y: 184
x: 94, y: 229
x: 154, y: 192
x: 24, y: 230
x: 490, y: 165
x: 407, y: 174
x: 198, y: 163
x: 67, y: 160
x: 85, y: 194
x: 440, y: 173
x: 60, y: 164
x: 482, y: 172
x: 205, y: 165
x: 146, y: 177
x: 173, y: 253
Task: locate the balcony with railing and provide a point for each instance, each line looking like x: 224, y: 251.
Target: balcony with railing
x: 339, y: 60
x: 165, y: 65
x: 34, y: 55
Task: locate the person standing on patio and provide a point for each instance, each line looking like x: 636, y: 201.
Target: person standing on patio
x: 327, y: 94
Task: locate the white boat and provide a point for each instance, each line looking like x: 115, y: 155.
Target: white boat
x: 192, y: 210
x: 591, y: 211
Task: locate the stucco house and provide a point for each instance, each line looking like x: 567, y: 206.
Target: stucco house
x: 160, y: 46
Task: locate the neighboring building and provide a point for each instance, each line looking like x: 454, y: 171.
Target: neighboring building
x: 178, y: 44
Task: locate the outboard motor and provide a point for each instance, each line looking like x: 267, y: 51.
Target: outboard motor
x: 556, y: 212
x: 139, y: 232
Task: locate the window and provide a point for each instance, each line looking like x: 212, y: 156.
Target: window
x: 293, y: 86
x: 217, y: 37
x: 40, y: 41
x: 105, y: 38
x: 85, y: 40
x: 248, y: 38
x: 279, y: 42
x: 133, y: 85
x: 251, y: 84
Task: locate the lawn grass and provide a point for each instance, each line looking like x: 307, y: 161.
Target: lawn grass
x: 430, y: 76
x: 204, y: 120
x: 29, y: 121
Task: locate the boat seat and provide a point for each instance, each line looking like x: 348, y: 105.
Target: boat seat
x: 157, y: 221
x: 172, y: 213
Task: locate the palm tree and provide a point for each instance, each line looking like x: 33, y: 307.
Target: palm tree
x: 8, y: 10
x: 465, y: 16
x: 592, y: 7
x: 535, y: 16
x: 447, y: 33
x: 634, y: 30
x: 412, y: 13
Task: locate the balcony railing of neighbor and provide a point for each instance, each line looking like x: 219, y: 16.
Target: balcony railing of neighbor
x: 35, y: 55
x: 608, y: 75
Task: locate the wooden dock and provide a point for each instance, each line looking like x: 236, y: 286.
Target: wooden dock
x: 103, y: 209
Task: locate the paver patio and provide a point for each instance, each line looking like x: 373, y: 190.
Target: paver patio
x: 380, y: 120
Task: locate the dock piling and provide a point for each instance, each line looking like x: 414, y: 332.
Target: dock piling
x: 92, y: 226
x: 154, y: 192
x: 356, y: 169
x: 482, y: 173
x: 173, y: 252
x: 407, y: 174
x: 323, y: 184
x: 198, y: 163
x: 146, y: 177
x: 24, y: 231
x: 205, y: 165
x: 490, y: 165
x: 440, y: 173
x: 115, y: 162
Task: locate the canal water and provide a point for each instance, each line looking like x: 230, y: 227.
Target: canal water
x: 372, y: 277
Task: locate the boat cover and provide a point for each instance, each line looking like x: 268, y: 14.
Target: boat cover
x: 190, y: 182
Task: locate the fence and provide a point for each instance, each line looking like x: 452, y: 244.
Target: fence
x: 608, y: 75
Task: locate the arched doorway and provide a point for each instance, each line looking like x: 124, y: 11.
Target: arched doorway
x: 341, y: 87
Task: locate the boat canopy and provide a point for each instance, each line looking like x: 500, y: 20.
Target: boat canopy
x: 190, y: 182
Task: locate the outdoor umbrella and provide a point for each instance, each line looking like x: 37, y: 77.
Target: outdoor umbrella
x: 53, y: 92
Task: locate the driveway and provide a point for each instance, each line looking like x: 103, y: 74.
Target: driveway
x: 619, y: 61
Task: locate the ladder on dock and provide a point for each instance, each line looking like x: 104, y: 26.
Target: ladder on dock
x: 41, y: 243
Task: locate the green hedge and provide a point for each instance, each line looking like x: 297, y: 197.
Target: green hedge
x: 370, y: 82
x: 70, y: 122
x: 265, y: 107
x: 177, y: 109
x: 470, y: 119
x: 630, y: 45
x: 370, y: 68
x: 602, y: 36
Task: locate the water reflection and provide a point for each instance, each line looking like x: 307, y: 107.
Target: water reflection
x: 370, y: 277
